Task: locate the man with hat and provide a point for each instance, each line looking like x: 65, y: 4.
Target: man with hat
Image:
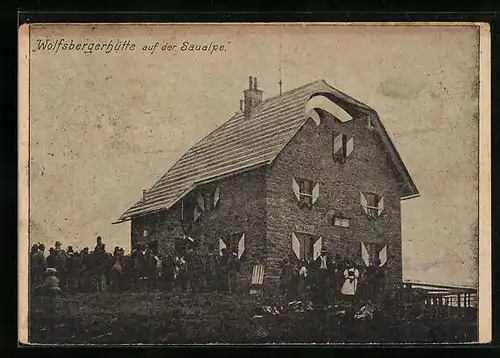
x: 39, y: 265
x: 99, y: 246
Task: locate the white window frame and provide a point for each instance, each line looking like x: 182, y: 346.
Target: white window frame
x: 370, y: 210
x: 381, y: 253
x: 316, y: 241
x: 314, y: 195
x: 307, y: 195
x: 341, y: 222
x: 346, y: 147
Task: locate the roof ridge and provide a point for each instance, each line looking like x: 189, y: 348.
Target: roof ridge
x: 296, y: 89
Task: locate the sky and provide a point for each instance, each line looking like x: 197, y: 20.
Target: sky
x: 103, y: 127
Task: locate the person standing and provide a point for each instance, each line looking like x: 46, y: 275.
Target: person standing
x: 69, y: 268
x: 101, y: 261
x: 51, y: 291
x: 75, y: 271
x: 31, y: 264
x: 233, y: 266
x: 322, y: 280
x: 195, y: 267
x: 86, y: 270
x: 39, y: 265
x: 60, y: 264
x: 222, y: 270
x: 211, y: 264
x: 379, y: 283
x: 117, y: 270
x: 285, y: 277
x: 51, y: 259
x: 336, y: 277
x: 302, y: 281
x: 99, y: 246
x: 350, y: 285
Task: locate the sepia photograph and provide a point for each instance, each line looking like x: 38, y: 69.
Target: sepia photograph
x: 254, y: 183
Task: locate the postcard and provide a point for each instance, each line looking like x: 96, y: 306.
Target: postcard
x: 254, y: 183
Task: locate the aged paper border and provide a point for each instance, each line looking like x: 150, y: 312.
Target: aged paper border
x: 484, y: 287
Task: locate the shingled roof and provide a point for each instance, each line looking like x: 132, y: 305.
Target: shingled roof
x: 245, y: 143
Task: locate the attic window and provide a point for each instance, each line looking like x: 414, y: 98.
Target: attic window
x: 342, y: 146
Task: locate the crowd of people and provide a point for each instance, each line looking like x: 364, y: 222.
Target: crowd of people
x: 331, y: 279
x: 322, y: 281
x: 144, y: 268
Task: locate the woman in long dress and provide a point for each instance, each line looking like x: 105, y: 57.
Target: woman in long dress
x: 350, y: 285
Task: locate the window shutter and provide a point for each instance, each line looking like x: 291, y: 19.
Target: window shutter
x: 258, y: 274
x: 337, y: 142
x: 295, y: 188
x: 201, y: 202
x: 216, y: 195
x: 317, y: 248
x: 196, y: 213
x: 241, y: 246
x: 363, y: 201
x: 296, y: 245
x: 383, y: 256
x: 222, y: 245
x: 315, y: 193
x: 349, y: 146
x: 364, y: 254
x: 380, y: 206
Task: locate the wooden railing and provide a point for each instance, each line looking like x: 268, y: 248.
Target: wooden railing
x: 435, y: 296
x: 430, y: 295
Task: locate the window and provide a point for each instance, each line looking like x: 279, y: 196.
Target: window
x: 206, y: 200
x: 343, y: 222
x: 374, y: 254
x: 234, y: 243
x: 306, y: 191
x: 372, y: 204
x: 369, y: 122
x: 342, y: 146
x: 306, y: 247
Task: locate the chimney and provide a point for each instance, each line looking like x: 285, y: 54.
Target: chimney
x: 252, y: 97
x: 144, y: 193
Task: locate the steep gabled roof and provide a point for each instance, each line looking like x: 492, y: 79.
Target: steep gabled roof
x: 242, y: 144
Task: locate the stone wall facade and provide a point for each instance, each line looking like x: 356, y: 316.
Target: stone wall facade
x: 368, y: 168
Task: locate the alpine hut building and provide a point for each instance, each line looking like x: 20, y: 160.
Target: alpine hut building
x: 311, y: 169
